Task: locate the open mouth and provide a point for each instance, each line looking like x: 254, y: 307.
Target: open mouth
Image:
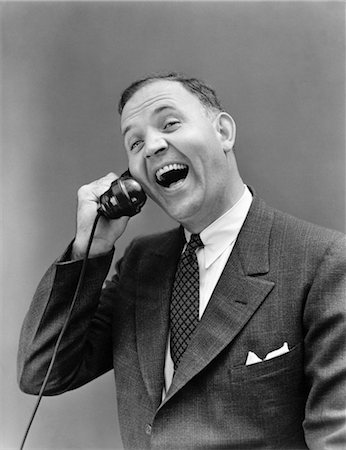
x: 171, y: 174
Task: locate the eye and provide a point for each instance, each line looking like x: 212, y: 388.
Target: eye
x: 171, y: 125
x: 136, y: 145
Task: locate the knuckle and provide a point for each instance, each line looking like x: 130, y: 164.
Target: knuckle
x: 96, y: 187
x: 111, y: 176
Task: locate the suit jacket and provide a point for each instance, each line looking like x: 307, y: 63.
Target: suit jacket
x: 284, y: 282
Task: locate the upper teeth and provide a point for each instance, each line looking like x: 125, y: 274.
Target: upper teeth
x: 168, y: 168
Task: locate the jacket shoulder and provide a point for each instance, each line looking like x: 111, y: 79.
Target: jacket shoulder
x: 161, y: 243
x: 298, y: 236
x: 287, y: 233
x: 157, y: 239
x: 302, y: 229
x: 157, y: 242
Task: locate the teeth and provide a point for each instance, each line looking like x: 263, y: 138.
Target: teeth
x: 168, y: 168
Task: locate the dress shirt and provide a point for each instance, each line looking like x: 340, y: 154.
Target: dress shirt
x: 218, y: 239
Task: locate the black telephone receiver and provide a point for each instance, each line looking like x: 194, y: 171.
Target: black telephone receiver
x: 125, y: 197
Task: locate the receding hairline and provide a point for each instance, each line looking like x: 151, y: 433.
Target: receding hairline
x: 153, y: 81
x: 204, y: 93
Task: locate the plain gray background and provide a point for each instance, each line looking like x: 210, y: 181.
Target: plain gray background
x: 278, y: 68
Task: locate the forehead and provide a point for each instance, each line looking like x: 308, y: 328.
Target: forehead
x: 154, y: 96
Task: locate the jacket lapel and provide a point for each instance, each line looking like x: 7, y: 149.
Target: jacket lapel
x: 152, y: 310
x: 236, y: 297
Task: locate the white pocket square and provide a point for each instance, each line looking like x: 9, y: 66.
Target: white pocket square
x: 252, y: 358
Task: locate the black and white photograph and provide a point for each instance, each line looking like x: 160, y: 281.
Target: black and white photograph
x: 173, y: 252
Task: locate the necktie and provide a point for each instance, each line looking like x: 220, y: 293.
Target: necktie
x: 184, y: 307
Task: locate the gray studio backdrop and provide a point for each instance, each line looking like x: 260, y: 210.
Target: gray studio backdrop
x: 279, y: 70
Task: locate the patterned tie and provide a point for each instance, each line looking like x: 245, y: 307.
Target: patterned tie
x: 184, y: 307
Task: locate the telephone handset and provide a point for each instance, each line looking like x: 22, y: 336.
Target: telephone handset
x: 125, y: 197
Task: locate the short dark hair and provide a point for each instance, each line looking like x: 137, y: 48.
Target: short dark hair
x: 200, y: 89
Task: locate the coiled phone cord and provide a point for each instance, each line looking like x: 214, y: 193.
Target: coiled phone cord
x: 75, y: 298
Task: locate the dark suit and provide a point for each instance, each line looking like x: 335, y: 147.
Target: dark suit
x: 284, y: 282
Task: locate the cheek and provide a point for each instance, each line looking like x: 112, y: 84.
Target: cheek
x: 136, y: 165
x: 209, y: 164
x: 139, y: 171
x: 199, y: 146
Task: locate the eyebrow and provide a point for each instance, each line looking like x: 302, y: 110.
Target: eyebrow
x: 156, y: 111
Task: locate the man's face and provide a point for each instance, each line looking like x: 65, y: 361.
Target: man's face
x: 176, y: 153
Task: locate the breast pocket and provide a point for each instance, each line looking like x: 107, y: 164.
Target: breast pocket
x: 272, y: 393
x: 278, y: 366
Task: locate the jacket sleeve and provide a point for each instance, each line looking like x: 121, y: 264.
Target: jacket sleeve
x: 85, y: 351
x: 325, y: 353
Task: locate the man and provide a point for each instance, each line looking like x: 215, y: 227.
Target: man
x: 263, y: 364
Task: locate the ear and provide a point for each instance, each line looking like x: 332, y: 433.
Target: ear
x: 226, y: 128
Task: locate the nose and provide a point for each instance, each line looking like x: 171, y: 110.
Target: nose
x: 154, y: 143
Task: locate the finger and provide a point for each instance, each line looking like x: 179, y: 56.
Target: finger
x: 95, y: 189
x: 111, y: 176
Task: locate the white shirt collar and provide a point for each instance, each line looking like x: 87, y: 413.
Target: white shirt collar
x: 222, y: 233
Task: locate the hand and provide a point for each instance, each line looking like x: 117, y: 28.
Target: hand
x: 107, y: 231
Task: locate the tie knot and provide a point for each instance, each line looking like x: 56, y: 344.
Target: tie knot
x: 194, y: 243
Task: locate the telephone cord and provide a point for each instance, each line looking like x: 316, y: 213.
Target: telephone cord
x: 63, y: 329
